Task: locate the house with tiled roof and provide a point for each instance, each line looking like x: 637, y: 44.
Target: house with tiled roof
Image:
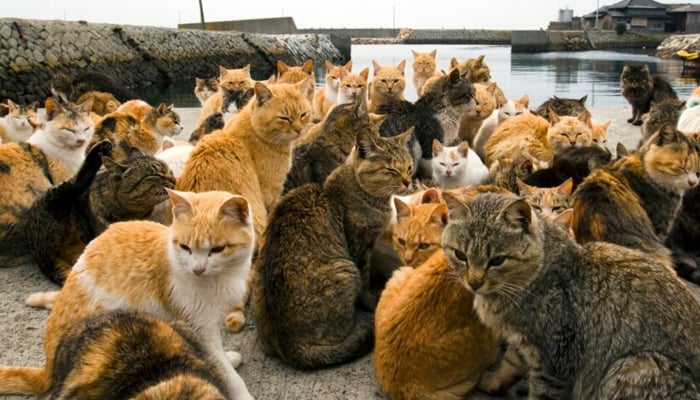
x: 639, y: 15
x: 684, y: 18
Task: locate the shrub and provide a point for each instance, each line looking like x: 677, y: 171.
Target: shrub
x: 621, y: 28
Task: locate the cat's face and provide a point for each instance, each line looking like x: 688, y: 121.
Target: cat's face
x: 566, y: 131
x: 335, y: 73
x: 418, y: 230
x: 494, y: 243
x: 234, y: 100
x: 478, y: 70
x: 69, y: 125
x: 21, y: 117
x: 205, y: 88
x: 671, y: 159
x: 449, y: 162
x: 550, y: 202
x: 599, y: 134
x: 383, y: 166
x: 512, y: 108
x: 354, y: 86
x: 636, y: 76
x: 211, y: 233
x: 456, y: 90
x: 349, y: 117
x: 165, y: 120
x: 424, y: 63
x: 281, y: 112
x: 237, y: 78
x: 389, y: 81
x: 139, y: 183
x: 485, y: 101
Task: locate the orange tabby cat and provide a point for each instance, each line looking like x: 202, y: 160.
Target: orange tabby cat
x: 507, y: 108
x: 353, y: 87
x: 424, y: 68
x: 191, y: 271
x: 486, y: 103
x: 237, y: 78
x: 289, y: 74
x: 160, y: 121
x: 417, y: 230
x: 599, y: 134
x: 388, y: 83
x: 327, y: 96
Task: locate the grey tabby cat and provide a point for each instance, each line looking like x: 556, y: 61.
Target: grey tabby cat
x: 598, y: 321
x: 310, y: 293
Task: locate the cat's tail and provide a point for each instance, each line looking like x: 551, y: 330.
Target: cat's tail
x: 24, y: 380
x: 305, y: 355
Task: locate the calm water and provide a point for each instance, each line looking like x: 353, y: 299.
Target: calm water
x: 541, y: 75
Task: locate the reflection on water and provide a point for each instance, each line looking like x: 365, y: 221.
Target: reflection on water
x: 540, y: 75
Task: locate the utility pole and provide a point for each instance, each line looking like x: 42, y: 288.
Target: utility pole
x: 201, y: 15
x: 597, y: 6
x: 393, y: 16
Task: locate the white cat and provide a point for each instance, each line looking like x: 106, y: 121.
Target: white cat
x: 457, y: 166
x: 689, y: 121
x: 19, y: 123
x: 175, y: 155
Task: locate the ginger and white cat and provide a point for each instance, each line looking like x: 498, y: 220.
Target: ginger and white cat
x: 19, y: 123
x: 160, y: 121
x: 424, y: 68
x: 457, y: 166
x: 507, y: 108
x: 327, y: 96
x: 388, y: 83
x: 550, y: 202
x: 197, y: 268
x: 237, y: 78
x: 689, y: 121
x: 353, y: 87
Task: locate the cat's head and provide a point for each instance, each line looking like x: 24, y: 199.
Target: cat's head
x: 354, y: 86
x: 237, y: 78
x: 476, y: 69
x: 418, y: 228
x: 233, y: 101
x: 206, y: 85
x: 21, y: 117
x: 566, y: 131
x: 69, y: 125
x: 512, y: 108
x: 454, y: 90
x: 599, y: 134
x: 211, y: 233
x: 164, y: 119
x: 281, y: 112
x: 296, y: 74
x: 485, y: 96
x: 383, y: 165
x: 350, y: 118
x: 636, y: 75
x: 335, y: 73
x: 424, y: 63
x: 139, y: 182
x: 550, y: 201
x: 389, y: 81
x: 671, y: 159
x: 494, y: 242
x: 449, y: 162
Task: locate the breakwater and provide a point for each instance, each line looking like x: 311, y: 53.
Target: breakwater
x: 33, y: 52
x: 417, y: 36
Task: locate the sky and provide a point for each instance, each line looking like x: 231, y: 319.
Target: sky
x: 417, y: 14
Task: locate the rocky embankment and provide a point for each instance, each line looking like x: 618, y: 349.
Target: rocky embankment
x: 672, y: 44
x: 33, y: 52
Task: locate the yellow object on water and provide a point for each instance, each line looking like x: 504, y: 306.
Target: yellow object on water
x: 687, y: 55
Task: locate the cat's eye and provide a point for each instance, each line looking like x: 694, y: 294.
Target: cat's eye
x: 87, y: 128
x: 536, y: 207
x: 461, y: 256
x: 402, y: 242
x: 442, y: 163
x: 558, y: 209
x: 497, y: 261
x: 455, y: 164
x: 393, y: 171
x: 285, y: 119
x: 185, y: 248
x: 215, y: 250
x: 424, y: 246
x: 303, y: 115
x: 69, y: 130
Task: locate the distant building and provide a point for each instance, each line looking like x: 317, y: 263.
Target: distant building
x: 566, y: 21
x: 273, y: 26
x: 640, y: 15
x: 684, y: 18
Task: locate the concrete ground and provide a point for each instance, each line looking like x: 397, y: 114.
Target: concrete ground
x: 21, y: 327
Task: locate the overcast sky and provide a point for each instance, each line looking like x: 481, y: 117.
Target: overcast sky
x: 449, y: 14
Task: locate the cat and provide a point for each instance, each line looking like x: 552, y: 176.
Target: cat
x: 161, y: 121
x: 424, y: 68
x: 485, y: 97
x: 198, y: 268
x: 315, y: 255
x: 313, y: 162
x: 388, y: 84
x: 507, y: 108
x: 478, y: 71
x: 660, y: 113
x: 416, y: 228
x: 573, y: 162
x: 232, y: 101
x: 574, y: 311
x: 506, y: 171
x: 562, y: 106
x: 236, y: 78
x: 127, y: 133
x: 204, y: 88
x: 175, y: 156
x: 435, y: 115
x: 548, y: 201
x: 599, y: 134
x: 353, y: 87
x: 639, y: 87
x: 141, y: 356
x: 633, y: 201
x: 689, y: 120
x: 20, y: 122
x: 69, y: 89
x: 327, y: 96
x: 296, y: 74
x: 457, y: 166
x: 103, y: 103
x: 212, y: 123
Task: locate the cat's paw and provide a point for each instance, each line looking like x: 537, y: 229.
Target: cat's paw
x: 235, y: 320
x: 102, y: 148
x: 630, y: 120
x: 638, y: 122
x: 234, y: 358
x: 42, y: 299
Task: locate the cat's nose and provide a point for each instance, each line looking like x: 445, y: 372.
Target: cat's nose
x: 475, y: 282
x: 692, y: 181
x: 198, y: 270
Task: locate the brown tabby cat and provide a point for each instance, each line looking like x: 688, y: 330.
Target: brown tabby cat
x: 562, y: 106
x: 140, y: 357
x: 197, y: 267
x: 424, y: 68
x: 353, y: 87
x: 103, y: 103
x: 289, y: 74
x: 237, y: 78
x: 388, y: 84
x: 598, y: 321
x: 471, y: 121
x: 549, y: 202
x: 640, y: 87
x: 315, y: 258
x: 19, y: 123
x: 479, y: 72
x: 326, y: 97
x: 660, y: 113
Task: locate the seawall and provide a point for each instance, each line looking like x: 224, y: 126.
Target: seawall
x: 580, y: 40
x: 33, y: 52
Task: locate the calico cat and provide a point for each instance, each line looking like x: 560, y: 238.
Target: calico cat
x: 424, y: 68
x: 478, y: 71
x: 388, y: 84
x: 328, y: 277
x: 689, y: 120
x: 204, y: 88
x: 660, y: 113
x: 103, y: 103
x: 140, y: 357
x: 533, y: 284
x: 485, y: 96
x: 127, y: 133
x: 457, y: 166
x: 435, y: 115
x: 633, y: 201
x: 639, y: 87
x: 562, y: 106
x: 507, y: 108
x: 212, y: 123
x: 231, y: 79
x: 327, y: 96
x: 353, y: 87
x: 548, y: 201
x: 160, y: 121
x: 197, y: 268
x: 19, y: 123
x: 296, y: 74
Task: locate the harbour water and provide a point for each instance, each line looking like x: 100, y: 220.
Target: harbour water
x: 539, y: 75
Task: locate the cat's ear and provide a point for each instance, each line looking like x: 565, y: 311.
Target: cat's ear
x: 376, y: 67
x: 433, y: 53
x: 365, y: 74
x: 222, y: 70
x: 402, y: 209
x: 605, y: 125
x: 456, y: 209
x: 437, y: 147
x: 281, y: 67
x: 517, y: 214
x: 440, y: 215
x: 167, y: 144
x: 667, y: 134
x: 480, y: 60
x: 246, y: 69
x: 11, y: 105
x: 348, y: 66
x: 114, y: 167
x: 454, y: 76
x: 262, y: 93
x: 525, y: 101
x: 404, y: 137
x: 402, y: 66
x: 377, y: 119
x: 304, y: 85
x: 582, y: 100
x: 359, y: 108
x: 162, y: 109
x: 621, y: 150
x: 566, y: 188
x: 365, y: 144
x: 523, y: 188
x: 454, y: 63
x: 180, y: 205
x: 585, y: 117
x: 308, y: 66
x: 430, y: 196
x: 553, y: 116
x: 415, y: 53
x: 463, y: 149
x: 237, y: 208
x: 565, y: 219
x: 53, y: 108
x: 328, y: 64
x: 501, y: 100
x: 491, y: 88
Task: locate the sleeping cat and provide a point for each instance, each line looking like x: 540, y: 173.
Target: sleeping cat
x: 327, y: 96
x: 457, y: 166
x: 508, y: 108
x: 204, y: 88
x: 575, y: 312
x: 19, y: 123
x: 548, y: 201
x: 353, y: 87
x: 424, y: 68
x: 315, y: 256
x: 388, y: 84
x: 562, y: 106
x: 236, y: 78
x: 197, y: 268
x: 140, y: 356
x: 640, y: 87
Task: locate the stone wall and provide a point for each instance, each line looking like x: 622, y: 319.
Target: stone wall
x: 672, y: 44
x: 33, y: 52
